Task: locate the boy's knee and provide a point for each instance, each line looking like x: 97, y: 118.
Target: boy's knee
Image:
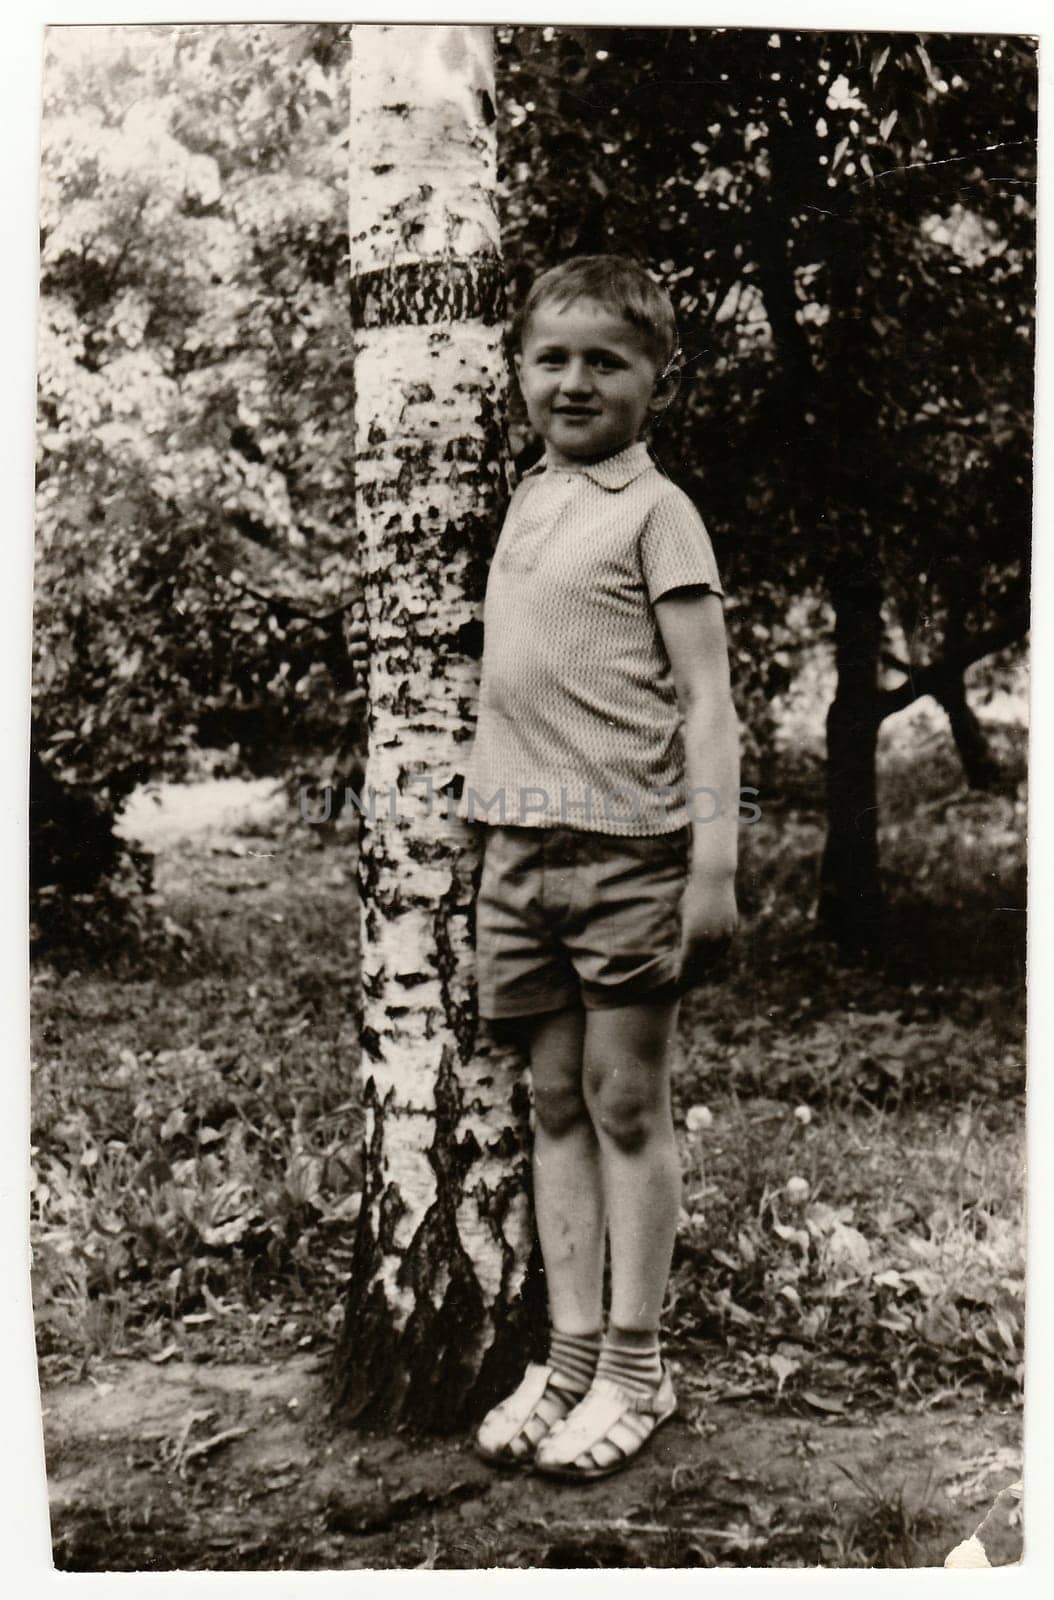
x: 626, y: 1111
x: 559, y: 1108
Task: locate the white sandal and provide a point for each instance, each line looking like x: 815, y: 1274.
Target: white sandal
x: 610, y: 1422
x: 510, y: 1434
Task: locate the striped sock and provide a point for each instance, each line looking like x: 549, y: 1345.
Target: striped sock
x: 630, y: 1356
x: 574, y: 1356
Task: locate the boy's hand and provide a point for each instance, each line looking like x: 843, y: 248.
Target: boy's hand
x: 708, y: 922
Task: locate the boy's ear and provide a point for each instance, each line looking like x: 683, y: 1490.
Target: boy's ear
x: 666, y: 386
x: 517, y: 361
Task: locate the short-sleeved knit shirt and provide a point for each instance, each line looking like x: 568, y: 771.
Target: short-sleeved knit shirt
x: 578, y: 722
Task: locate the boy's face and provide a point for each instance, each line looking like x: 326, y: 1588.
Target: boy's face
x: 589, y: 380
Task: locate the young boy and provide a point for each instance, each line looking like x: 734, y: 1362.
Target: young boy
x: 604, y: 715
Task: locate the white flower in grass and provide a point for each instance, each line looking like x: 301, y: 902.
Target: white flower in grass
x: 698, y: 1118
x: 803, y: 1115
x: 797, y: 1189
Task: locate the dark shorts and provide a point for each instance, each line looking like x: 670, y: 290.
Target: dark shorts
x: 568, y: 917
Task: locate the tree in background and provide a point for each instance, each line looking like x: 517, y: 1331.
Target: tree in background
x: 847, y: 224
x: 196, y: 569
x: 435, y: 1321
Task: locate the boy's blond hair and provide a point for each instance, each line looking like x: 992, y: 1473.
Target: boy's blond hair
x: 617, y: 283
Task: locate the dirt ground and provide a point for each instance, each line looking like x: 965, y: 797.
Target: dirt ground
x: 239, y: 1468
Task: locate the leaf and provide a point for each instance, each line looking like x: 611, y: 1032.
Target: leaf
x: 820, y: 1402
x: 174, y: 1123
x: 888, y: 123
x: 1006, y: 1332
x: 226, y: 1232
x: 878, y: 61
x: 940, y: 1323
x: 217, y: 1307
x: 847, y: 1247
x: 926, y: 1281
x: 895, y: 1321
x: 798, y: 1236
x: 923, y: 55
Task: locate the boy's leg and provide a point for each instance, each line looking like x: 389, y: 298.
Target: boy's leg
x: 569, y: 1211
x: 627, y: 1089
x: 568, y: 1189
x: 626, y: 1074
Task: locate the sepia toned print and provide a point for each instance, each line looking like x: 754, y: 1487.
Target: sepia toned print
x: 285, y: 1247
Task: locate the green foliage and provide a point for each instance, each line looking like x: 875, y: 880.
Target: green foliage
x: 194, y: 571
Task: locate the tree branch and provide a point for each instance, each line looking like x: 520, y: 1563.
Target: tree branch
x: 282, y: 602
x: 930, y: 679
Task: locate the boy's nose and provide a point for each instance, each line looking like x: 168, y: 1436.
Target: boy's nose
x: 577, y: 378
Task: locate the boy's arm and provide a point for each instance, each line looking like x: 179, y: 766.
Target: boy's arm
x: 692, y: 625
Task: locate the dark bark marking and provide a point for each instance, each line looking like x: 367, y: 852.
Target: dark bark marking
x: 461, y: 1017
x: 432, y: 1373
x: 468, y: 641
x: 371, y: 1043
x: 425, y: 851
x: 422, y: 292
x: 390, y: 1213
x: 471, y: 540
x: 367, y: 878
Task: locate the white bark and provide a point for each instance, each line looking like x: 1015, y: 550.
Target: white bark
x: 445, y: 1226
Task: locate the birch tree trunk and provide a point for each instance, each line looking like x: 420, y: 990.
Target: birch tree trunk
x: 437, y: 1319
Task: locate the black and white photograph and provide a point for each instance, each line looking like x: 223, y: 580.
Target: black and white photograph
x: 528, y: 808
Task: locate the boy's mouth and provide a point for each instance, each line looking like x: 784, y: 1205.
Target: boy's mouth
x: 574, y: 413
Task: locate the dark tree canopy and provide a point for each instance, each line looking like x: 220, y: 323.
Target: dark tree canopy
x: 847, y: 223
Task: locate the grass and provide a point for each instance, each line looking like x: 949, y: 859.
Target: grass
x: 195, y: 1127
x: 881, y: 1528
x: 857, y: 1251
x: 852, y: 1223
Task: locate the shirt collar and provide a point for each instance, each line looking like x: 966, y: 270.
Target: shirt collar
x: 614, y: 472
